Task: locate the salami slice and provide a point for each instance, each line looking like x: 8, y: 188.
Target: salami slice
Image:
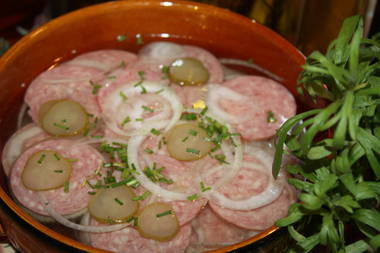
x: 255, y: 106
x: 65, y: 81
x: 85, y: 161
x: 104, y: 60
x: 211, y: 231
x: 129, y: 240
x: 260, y: 218
x: 22, y: 139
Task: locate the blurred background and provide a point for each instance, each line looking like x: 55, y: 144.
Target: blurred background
x: 308, y: 24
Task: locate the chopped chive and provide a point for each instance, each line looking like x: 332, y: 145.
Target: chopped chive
x: 188, y: 116
x: 139, y: 39
x: 111, y: 77
x: 193, y: 197
x: 121, y: 38
x: 58, y: 171
x: 221, y: 158
x: 165, y: 180
x: 66, y: 187
x: 72, y: 160
x: 123, y: 96
x: 134, y: 220
x: 148, y: 150
x: 203, y: 187
x: 204, y: 110
x: 91, y: 193
x: 146, y: 108
x: 61, y: 126
x: 193, y: 151
x: 122, y: 64
x: 142, y: 196
x: 159, y: 91
x: 119, y: 201
x: 164, y: 213
x: 125, y: 121
x: 165, y: 70
x: 97, y: 136
x: 155, y: 131
x: 86, y: 131
x: 42, y: 157
x: 139, y: 119
x: 193, y: 132
x: 270, y: 117
x: 95, y: 87
x: 185, y: 139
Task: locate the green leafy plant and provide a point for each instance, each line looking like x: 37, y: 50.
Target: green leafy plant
x: 338, y: 147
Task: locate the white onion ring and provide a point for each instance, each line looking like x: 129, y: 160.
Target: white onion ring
x: 271, y: 192
x: 229, y: 61
x: 21, y: 115
x: 66, y: 222
x: 133, y: 161
x: 156, y: 121
x: 215, y: 92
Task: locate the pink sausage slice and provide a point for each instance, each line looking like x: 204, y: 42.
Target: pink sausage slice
x: 86, y: 160
x: 211, y: 231
x: 104, y: 60
x: 19, y: 141
x: 64, y: 82
x: 260, y: 218
x: 129, y: 240
x: 268, y: 105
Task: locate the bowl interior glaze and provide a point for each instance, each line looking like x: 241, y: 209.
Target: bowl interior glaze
x: 224, y: 33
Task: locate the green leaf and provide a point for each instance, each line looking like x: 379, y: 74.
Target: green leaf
x: 369, y: 217
x: 309, y: 243
x: 282, y: 134
x: 295, y: 234
x: 357, y: 247
x: 318, y: 152
x: 326, y: 181
x: 294, y: 215
x: 348, y: 203
x: 375, y: 242
x: 310, y: 201
x: 301, y: 185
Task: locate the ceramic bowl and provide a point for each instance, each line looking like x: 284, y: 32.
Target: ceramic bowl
x: 224, y: 33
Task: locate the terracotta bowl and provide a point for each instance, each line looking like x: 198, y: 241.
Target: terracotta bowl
x: 224, y: 33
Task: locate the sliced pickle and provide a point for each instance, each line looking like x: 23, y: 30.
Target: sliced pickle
x: 113, y: 205
x: 188, y: 71
x: 187, y: 142
x: 158, y: 221
x: 63, y: 117
x: 46, y: 170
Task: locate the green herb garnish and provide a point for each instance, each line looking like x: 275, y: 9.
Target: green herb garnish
x: 193, y: 151
x: 146, y: 108
x: 121, y: 38
x: 66, y: 187
x: 119, y: 201
x: 61, y: 126
x: 142, y: 196
x: 339, y: 146
x: 193, y: 197
x: 139, y: 39
x: 148, y: 150
x: 270, y: 117
x: 125, y: 121
x: 58, y: 171
x: 203, y: 187
x: 123, y: 96
x: 41, y: 159
x: 155, y: 131
x: 95, y: 87
x: 164, y: 213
